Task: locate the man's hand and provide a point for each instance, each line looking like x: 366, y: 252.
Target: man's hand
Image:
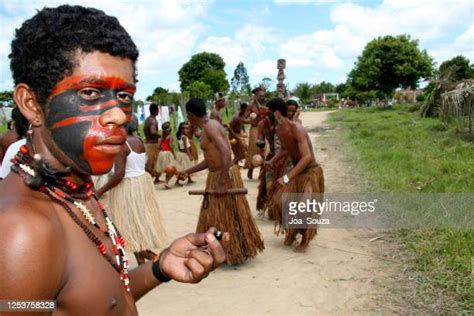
x: 181, y: 175
x: 268, y: 165
x: 280, y: 183
x: 191, y: 258
x: 221, y: 186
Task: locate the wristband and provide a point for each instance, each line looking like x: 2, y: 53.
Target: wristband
x: 156, y: 269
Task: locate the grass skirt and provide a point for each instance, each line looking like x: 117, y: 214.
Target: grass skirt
x: 152, y: 151
x: 231, y: 213
x: 252, y: 148
x: 182, y: 161
x: 194, y: 150
x: 134, y: 208
x: 101, y: 180
x: 265, y: 177
x: 165, y: 158
x: 309, y: 181
x: 239, y: 149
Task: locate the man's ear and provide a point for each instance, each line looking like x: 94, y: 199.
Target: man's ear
x: 28, y: 105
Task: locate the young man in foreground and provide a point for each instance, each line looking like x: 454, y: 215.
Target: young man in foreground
x: 74, y: 71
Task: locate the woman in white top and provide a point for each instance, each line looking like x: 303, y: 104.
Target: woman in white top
x: 132, y: 199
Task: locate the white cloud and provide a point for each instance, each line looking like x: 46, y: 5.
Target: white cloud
x: 304, y: 2
x: 164, y: 31
x: 230, y: 50
x: 336, y: 49
x: 462, y: 45
x: 251, y: 44
x: 264, y: 68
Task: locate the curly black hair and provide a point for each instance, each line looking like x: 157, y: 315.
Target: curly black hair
x: 44, y: 47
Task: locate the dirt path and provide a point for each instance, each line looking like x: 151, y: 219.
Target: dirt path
x: 340, y: 273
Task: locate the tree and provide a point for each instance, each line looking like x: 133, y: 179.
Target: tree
x: 199, y: 89
x: 240, y: 81
x: 160, y: 96
x: 304, y: 92
x: 324, y: 87
x: 459, y: 67
x: 266, y: 83
x: 388, y: 63
x: 6, y: 98
x: 207, y: 68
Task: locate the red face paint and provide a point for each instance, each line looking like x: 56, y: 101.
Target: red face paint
x: 79, y: 115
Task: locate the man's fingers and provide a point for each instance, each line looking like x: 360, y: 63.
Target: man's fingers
x: 199, y: 239
x: 196, y: 239
x: 203, y: 258
x: 196, y: 271
x: 216, y: 248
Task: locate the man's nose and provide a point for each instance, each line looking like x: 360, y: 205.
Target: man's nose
x: 114, y: 116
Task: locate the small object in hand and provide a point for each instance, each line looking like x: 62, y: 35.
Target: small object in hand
x: 218, y: 234
x: 170, y: 170
x: 257, y: 160
x: 260, y: 143
x: 233, y: 141
x: 253, y: 115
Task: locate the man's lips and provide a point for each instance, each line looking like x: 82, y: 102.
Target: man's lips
x: 111, y: 145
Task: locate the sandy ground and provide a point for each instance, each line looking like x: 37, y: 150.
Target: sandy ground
x: 341, y: 273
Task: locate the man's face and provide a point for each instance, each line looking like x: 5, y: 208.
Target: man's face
x: 86, y: 110
x: 260, y: 96
x: 292, y: 111
x: 221, y: 103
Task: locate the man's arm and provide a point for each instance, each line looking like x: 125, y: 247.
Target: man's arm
x: 304, y: 150
x: 32, y: 256
x: 184, y: 261
x: 217, y: 138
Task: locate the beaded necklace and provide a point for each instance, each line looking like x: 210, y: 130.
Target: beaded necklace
x: 37, y: 176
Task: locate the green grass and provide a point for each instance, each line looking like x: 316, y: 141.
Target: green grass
x: 401, y: 152
x: 3, y: 128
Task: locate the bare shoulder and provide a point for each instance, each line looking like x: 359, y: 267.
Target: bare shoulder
x: 33, y: 256
x: 298, y: 129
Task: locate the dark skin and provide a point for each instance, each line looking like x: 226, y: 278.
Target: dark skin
x: 6, y: 140
x: 253, y: 113
x: 294, y: 142
x: 216, y: 150
x: 49, y: 256
x: 190, y: 133
x: 151, y: 131
x: 186, y: 130
x: 216, y: 111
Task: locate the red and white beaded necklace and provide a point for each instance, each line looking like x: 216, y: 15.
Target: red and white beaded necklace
x: 60, y: 190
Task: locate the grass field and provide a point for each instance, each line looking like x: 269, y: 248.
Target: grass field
x: 401, y: 152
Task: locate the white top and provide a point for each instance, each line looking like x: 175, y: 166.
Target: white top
x: 181, y: 143
x: 11, y: 152
x: 135, y: 165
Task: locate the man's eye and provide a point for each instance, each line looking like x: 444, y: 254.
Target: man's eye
x: 125, y: 97
x: 90, y: 93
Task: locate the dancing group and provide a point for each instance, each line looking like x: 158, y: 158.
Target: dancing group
x: 74, y: 70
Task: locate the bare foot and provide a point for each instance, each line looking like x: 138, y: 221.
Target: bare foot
x: 288, y: 242
x: 301, y: 248
x: 167, y: 186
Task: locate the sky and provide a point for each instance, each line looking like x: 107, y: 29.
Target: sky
x: 320, y: 39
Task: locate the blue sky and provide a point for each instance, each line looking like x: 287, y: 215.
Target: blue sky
x: 319, y: 39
